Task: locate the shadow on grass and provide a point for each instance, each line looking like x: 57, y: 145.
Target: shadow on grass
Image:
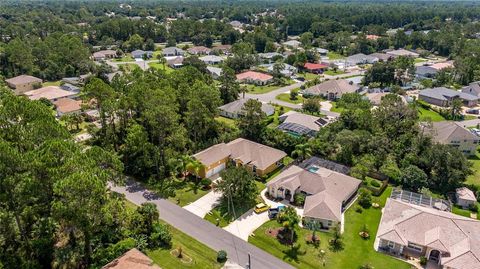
x: 294, y: 252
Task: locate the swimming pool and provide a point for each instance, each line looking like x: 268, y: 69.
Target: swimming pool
x: 313, y: 169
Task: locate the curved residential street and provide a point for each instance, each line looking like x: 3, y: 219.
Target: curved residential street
x: 202, y: 230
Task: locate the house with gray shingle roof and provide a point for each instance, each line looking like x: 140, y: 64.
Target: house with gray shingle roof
x: 361, y: 58
x: 465, y: 197
x: 472, y: 88
x: 444, y: 97
x: 454, y: 134
x: 233, y: 109
x: 327, y: 192
x: 331, y: 89
x: 172, y: 51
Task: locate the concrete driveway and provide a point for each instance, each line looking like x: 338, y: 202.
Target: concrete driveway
x: 205, y: 204
x: 247, y: 224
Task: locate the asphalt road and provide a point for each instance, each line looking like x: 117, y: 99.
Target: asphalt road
x: 202, y: 230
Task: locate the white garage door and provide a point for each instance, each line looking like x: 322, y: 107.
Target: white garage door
x: 215, y: 170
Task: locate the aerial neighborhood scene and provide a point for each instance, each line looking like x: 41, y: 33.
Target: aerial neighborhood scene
x: 239, y: 134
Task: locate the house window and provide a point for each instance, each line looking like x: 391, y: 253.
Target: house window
x: 254, y: 169
x: 330, y: 223
x: 415, y: 246
x: 391, y: 244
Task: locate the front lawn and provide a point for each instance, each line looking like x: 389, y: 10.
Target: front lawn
x: 255, y: 89
x: 334, y: 73
x: 308, y: 76
x: 286, y: 98
x: 225, y: 216
x: 356, y: 252
x: 227, y: 121
x: 201, y: 255
x: 128, y: 67
x: 160, y: 66
x: 419, y: 60
x: 52, y: 83
x: 185, y: 191
x: 335, y: 108
x: 425, y: 114
x: 125, y: 58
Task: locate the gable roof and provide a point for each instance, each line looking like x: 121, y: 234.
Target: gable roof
x: 327, y: 190
x: 172, y: 50
x: 292, y: 43
x: 444, y: 94
x: 314, y: 66
x: 23, y: 79
x: 361, y: 58
x: 465, y: 194
x: 213, y: 154
x: 199, y: 49
x: 472, y: 88
x: 402, y: 52
x: 446, y: 131
x: 211, y: 58
x: 380, y: 56
x: 332, y: 86
x: 49, y: 92
x: 66, y: 105
x: 254, y: 76
x: 308, y: 121
x: 437, y: 229
x: 249, y: 152
x: 236, y: 107
x: 132, y: 259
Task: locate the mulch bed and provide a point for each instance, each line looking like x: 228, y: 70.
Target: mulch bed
x: 185, y: 258
x: 273, y: 232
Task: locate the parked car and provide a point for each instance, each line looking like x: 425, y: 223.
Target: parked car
x: 473, y: 111
x: 273, y: 212
x: 259, y: 208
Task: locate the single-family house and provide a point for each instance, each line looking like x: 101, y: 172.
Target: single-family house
x: 258, y: 158
x: 315, y: 68
x: 292, y: 44
x: 199, y: 50
x: 270, y: 57
x: 321, y: 51
x: 132, y: 259
x: 175, y: 62
x: 327, y: 192
x: 444, y: 97
x: 361, y: 58
x: 172, y: 51
x: 288, y: 70
x: 215, y: 72
x: 465, y: 197
x: 448, y: 240
x: 224, y: 49
x: 376, y: 97
x: 454, y: 134
x: 236, y: 24
x: 139, y: 54
x: 211, y: 59
x: 372, y: 37
x: 104, y: 54
x: 51, y: 93
x: 380, y: 56
x: 299, y: 124
x: 23, y: 83
x: 472, y: 88
x: 233, y: 109
x: 66, y: 106
x: 431, y: 70
x: 69, y: 87
x: 253, y: 77
x: 402, y: 52
x: 331, y: 89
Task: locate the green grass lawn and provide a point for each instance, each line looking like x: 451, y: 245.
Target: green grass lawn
x: 286, y: 97
x: 51, y: 83
x: 334, y: 56
x: 474, y: 179
x: 335, y: 108
x: 279, y: 110
x: 201, y: 255
x: 229, y: 122
x: 356, y: 252
x: 267, y: 88
x: 308, y: 76
x: 128, y: 67
x: 334, y: 73
x: 420, y: 60
x: 186, y: 192
x: 125, y: 58
x: 429, y: 114
x: 159, y: 66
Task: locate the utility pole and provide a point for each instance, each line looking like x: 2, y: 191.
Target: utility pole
x: 249, y: 263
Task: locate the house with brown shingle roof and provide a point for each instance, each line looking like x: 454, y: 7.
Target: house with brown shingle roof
x: 23, y: 83
x: 448, y: 240
x: 132, y: 259
x: 51, y: 93
x: 454, y: 134
x: 331, y: 89
x: 67, y: 106
x: 258, y: 158
x: 327, y: 192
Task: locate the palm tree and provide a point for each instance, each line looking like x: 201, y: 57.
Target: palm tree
x: 243, y: 90
x: 195, y: 166
x: 302, y: 151
x: 456, y: 108
x: 161, y: 60
x: 289, y: 219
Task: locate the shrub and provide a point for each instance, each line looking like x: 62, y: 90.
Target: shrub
x: 221, y: 256
x: 375, y: 183
x: 358, y: 209
x: 474, y: 208
x: 423, y: 260
x: 161, y: 236
x: 365, y: 198
x: 206, y: 182
x: 299, y: 199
